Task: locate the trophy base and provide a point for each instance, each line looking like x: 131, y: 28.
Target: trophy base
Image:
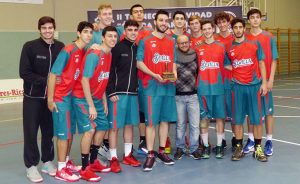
x: 168, y: 76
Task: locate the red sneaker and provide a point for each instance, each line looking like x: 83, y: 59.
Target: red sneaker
x: 66, y: 175
x: 98, y: 167
x: 131, y: 160
x: 114, y: 165
x: 89, y: 175
x: 168, y: 146
x: 72, y: 167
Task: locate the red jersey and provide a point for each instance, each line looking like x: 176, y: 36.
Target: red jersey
x: 210, y: 63
x: 155, y: 53
x: 269, y: 47
x: 244, y: 58
x: 227, y: 74
x: 67, y: 67
x: 194, y: 40
x: 96, y: 67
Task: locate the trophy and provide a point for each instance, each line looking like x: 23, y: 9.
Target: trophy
x: 168, y: 75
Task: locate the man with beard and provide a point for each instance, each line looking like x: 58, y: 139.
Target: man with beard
x: 156, y: 54
x: 211, y: 56
x: 249, y: 85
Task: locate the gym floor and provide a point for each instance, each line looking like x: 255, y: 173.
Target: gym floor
x: 282, y: 167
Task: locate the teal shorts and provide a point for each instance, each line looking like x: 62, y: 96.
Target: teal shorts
x: 247, y: 101
x: 140, y: 97
x: 64, y: 125
x: 228, y: 103
x: 212, y: 106
x: 159, y: 109
x: 268, y: 103
x: 123, y: 112
x: 84, y: 123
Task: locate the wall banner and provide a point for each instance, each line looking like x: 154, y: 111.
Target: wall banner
x: 11, y: 91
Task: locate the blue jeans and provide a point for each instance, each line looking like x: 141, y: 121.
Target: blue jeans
x: 187, y: 109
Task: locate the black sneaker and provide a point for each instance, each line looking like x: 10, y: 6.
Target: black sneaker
x: 233, y: 144
x: 238, y: 153
x: 165, y: 159
x: 142, y: 148
x: 179, y: 153
x: 205, y: 152
x: 196, y: 154
x: 149, y: 163
x: 219, y: 151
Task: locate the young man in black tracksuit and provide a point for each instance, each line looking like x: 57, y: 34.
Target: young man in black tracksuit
x: 122, y: 93
x: 37, y: 58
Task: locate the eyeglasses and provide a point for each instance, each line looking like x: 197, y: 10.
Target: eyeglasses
x: 184, y: 43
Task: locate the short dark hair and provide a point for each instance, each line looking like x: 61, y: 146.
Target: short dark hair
x: 131, y: 23
x: 207, y: 22
x: 253, y: 11
x: 159, y: 12
x: 84, y: 24
x: 179, y: 13
x: 238, y: 20
x: 221, y: 16
x: 135, y: 6
x: 44, y: 20
x: 109, y: 28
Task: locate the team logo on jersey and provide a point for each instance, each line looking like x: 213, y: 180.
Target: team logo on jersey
x: 102, y: 61
x: 242, y: 63
x: 103, y: 75
x: 160, y: 58
x: 232, y: 54
x: 76, y: 58
x: 201, y: 53
x: 76, y: 75
x: 153, y: 45
x: 209, y: 65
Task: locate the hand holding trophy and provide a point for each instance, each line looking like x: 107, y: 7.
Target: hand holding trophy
x: 168, y: 75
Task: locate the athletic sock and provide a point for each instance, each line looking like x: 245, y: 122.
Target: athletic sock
x: 257, y: 142
x: 106, y: 143
x: 94, y: 152
x: 142, y: 138
x: 67, y: 158
x: 239, y: 141
x: 251, y: 137
x: 84, y: 161
x: 113, y: 153
x: 127, y: 148
x: 269, y: 137
x: 204, y: 137
x: 219, y: 138
x: 61, y: 165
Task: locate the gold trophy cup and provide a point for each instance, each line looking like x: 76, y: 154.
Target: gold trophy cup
x: 168, y: 75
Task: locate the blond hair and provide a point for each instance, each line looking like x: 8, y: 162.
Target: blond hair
x: 194, y: 17
x: 103, y: 6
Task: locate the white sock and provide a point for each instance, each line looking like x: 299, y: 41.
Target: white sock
x: 219, y: 139
x: 251, y: 137
x: 204, y: 137
x: 223, y: 136
x: 127, y: 148
x: 61, y: 165
x: 67, y: 158
x: 113, y: 153
x: 269, y: 137
x: 233, y: 135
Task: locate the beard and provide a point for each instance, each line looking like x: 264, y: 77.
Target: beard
x: 239, y: 36
x: 159, y: 30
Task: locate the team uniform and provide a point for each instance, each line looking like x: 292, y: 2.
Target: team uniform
x: 194, y: 41
x: 123, y: 83
x: 227, y: 75
x: 269, y: 47
x: 96, y: 67
x: 244, y: 58
x: 210, y: 80
x: 67, y: 68
x: 175, y: 36
x: 159, y: 98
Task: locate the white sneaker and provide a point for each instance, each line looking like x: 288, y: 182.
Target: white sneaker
x: 49, y: 168
x: 33, y: 174
x: 104, y: 152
